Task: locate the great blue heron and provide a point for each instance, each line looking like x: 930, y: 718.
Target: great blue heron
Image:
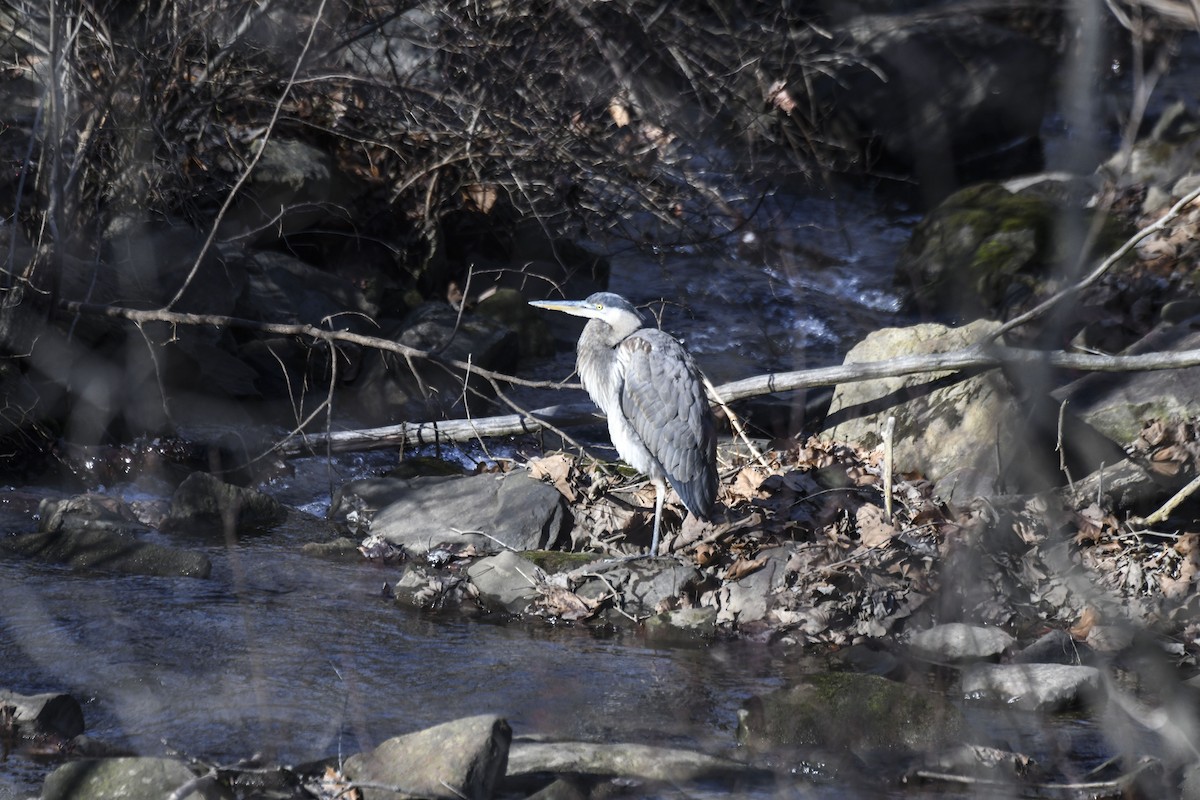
x: 649, y: 387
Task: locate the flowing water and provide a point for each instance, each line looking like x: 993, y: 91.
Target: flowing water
x: 300, y: 658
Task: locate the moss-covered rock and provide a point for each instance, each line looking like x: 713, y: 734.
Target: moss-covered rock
x: 851, y: 712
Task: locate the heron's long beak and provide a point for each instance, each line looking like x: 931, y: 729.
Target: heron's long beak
x: 578, y: 308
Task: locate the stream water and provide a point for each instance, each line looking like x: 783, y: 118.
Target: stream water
x: 299, y: 658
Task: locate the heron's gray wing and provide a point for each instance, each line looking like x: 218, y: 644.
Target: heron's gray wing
x: 663, y: 400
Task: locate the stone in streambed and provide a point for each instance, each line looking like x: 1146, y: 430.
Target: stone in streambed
x: 506, y: 580
x: 1041, y: 687
x: 490, y: 512
x: 51, y: 713
x: 462, y: 758
x: 861, y: 714
x: 87, y: 534
x: 956, y: 641
x: 127, y: 779
x: 204, y: 504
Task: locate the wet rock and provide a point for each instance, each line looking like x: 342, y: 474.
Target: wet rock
x: 110, y: 552
x: 506, y: 580
x: 129, y: 779
x: 204, y: 504
x: 643, y: 586
x: 426, y: 589
x: 86, y: 534
x: 463, y: 758
x: 1055, y: 647
x: 88, y: 512
x: 956, y: 642
x: 857, y: 713
x: 1041, y: 687
x: 686, y: 622
x: 51, y: 713
x: 624, y: 760
x: 489, y: 512
x: 342, y: 548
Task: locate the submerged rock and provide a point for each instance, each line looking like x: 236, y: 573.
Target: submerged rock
x: 845, y: 711
x: 90, y: 533
x: 129, y: 779
x: 463, y: 758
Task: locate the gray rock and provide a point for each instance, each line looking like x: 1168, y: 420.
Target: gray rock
x: 644, y: 586
x: 52, y: 713
x: 513, y: 510
x: 955, y: 642
x: 204, y: 504
x: 1118, y: 404
x: 939, y: 423
x: 623, y: 760
x: 86, y: 536
x: 463, y: 758
x: 845, y: 711
x: 128, y: 779
x: 1055, y: 647
x: 1042, y: 687
x: 506, y: 580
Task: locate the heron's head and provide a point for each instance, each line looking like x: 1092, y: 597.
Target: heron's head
x: 607, y: 307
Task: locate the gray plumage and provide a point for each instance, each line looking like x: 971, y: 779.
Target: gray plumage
x: 648, y: 386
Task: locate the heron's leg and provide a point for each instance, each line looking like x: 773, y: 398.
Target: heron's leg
x: 660, y: 493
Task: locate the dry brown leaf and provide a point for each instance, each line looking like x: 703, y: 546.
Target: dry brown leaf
x: 619, y: 113
x: 874, y: 529
x: 481, y: 196
x: 743, y: 567
x: 746, y: 485
x: 555, y: 468
x: 705, y: 554
x: 1087, y: 620
x: 555, y: 601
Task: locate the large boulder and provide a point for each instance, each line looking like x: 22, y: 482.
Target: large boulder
x: 465, y: 758
x: 946, y: 426
x: 967, y: 432
x: 989, y: 248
